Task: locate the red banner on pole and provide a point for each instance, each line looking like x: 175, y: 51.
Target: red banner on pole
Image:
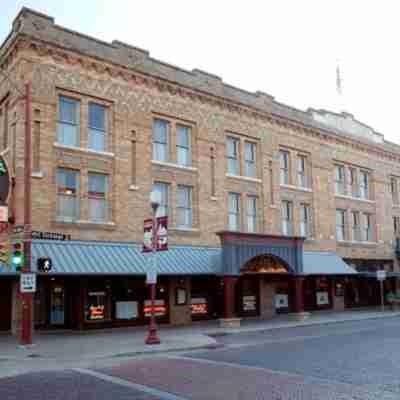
x: 162, y: 233
x: 147, y: 236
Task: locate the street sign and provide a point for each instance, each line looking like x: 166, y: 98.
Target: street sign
x: 381, y: 275
x: 28, y: 283
x: 5, y: 183
x: 3, y: 214
x: 151, y: 276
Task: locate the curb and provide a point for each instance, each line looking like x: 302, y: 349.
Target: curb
x: 216, y: 334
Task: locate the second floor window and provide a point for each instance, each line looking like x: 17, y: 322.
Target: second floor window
x: 340, y: 225
x: 339, y: 180
x: 232, y: 149
x: 183, y: 145
x: 305, y: 220
x: 284, y: 167
x: 97, y: 139
x: 162, y: 194
x: 355, y: 221
x: 364, y: 185
x: 301, y: 171
x: 68, y: 122
x: 67, y: 195
x: 250, y: 159
x: 184, y: 206
x: 367, y: 228
x: 234, y: 211
x: 396, y: 226
x: 287, y: 217
x: 97, y: 196
x: 353, y: 182
x: 160, y: 140
x: 251, y: 214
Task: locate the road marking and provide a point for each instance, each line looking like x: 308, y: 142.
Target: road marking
x: 122, y: 382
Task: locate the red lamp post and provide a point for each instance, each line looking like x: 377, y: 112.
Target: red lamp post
x: 152, y: 337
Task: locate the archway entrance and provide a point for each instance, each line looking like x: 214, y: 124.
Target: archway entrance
x: 264, y: 287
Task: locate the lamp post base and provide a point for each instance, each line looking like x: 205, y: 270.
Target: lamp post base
x: 152, y: 337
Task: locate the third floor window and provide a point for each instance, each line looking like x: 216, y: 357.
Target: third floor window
x: 287, y: 217
x: 232, y: 149
x: 301, y: 171
x: 161, y: 130
x: 340, y: 182
x: 183, y: 145
x: 284, y: 167
x: 364, y: 185
x: 394, y: 190
x: 250, y: 159
x: 68, y: 122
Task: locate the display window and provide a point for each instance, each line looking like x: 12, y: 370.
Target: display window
x: 98, y: 300
x: 128, y: 297
x: 322, y: 292
x: 249, y: 294
x: 160, y: 303
x: 199, y: 306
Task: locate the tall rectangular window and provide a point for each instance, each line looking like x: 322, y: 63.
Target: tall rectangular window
x: 340, y: 180
x: 232, y: 153
x: 340, y: 225
x: 162, y: 193
x: 234, y: 211
x: 252, y: 214
x: 284, y: 167
x: 287, y: 217
x: 394, y: 190
x: 97, y: 196
x: 396, y: 226
x: 160, y: 140
x: 97, y: 137
x: 364, y: 185
x: 67, y: 195
x: 355, y: 222
x: 305, y: 220
x: 367, y: 228
x: 250, y: 159
x: 184, y: 206
x: 68, y: 121
x: 353, y: 182
x: 183, y: 148
x: 301, y: 171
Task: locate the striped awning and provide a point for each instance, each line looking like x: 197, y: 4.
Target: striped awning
x: 325, y: 263
x: 110, y: 258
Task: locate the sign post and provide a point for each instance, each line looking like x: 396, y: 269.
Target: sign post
x: 381, y: 276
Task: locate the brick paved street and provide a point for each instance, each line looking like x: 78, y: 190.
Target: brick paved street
x: 346, y: 361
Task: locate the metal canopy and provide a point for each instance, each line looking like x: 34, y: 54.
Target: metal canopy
x: 325, y: 263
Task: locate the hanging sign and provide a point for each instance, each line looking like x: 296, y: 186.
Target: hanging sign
x: 28, y: 283
x: 4, y: 181
x: 162, y: 233
x: 147, y: 236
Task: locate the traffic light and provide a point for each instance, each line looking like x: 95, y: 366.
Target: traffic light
x: 4, y: 252
x: 17, y: 257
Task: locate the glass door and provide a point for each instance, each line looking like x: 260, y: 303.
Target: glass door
x: 57, y: 306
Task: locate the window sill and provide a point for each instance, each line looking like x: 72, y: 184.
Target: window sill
x: 184, y: 229
x: 293, y: 187
x: 244, y: 178
x: 172, y: 165
x: 343, y: 196
x: 133, y: 187
x: 83, y: 224
x: 37, y: 174
x: 83, y: 150
x: 356, y: 243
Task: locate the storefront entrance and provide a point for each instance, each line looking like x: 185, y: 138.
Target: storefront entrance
x: 5, y: 304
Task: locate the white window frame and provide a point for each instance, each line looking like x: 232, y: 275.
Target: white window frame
x: 185, y: 209
x: 305, y: 220
x: 340, y: 180
x: 250, y: 163
x: 234, y: 158
x: 70, y: 193
x: 364, y: 185
x: 367, y: 228
x: 96, y: 130
x: 287, y: 217
x: 234, y: 214
x: 162, y: 197
x: 355, y: 226
x: 68, y: 124
x: 98, y: 197
x: 302, y: 171
x: 252, y: 214
x: 284, y: 163
x: 158, y: 144
x: 187, y: 149
x: 341, y: 227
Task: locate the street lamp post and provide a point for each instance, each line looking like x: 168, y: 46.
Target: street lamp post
x: 152, y: 337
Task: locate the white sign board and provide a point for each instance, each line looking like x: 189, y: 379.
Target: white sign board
x: 151, y: 276
x: 126, y: 309
x: 322, y: 298
x: 381, y: 275
x: 28, y: 283
x: 3, y: 214
x: 281, y: 301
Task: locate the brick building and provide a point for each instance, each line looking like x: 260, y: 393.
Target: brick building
x: 264, y: 201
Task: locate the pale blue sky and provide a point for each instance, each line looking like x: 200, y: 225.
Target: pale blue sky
x: 284, y: 47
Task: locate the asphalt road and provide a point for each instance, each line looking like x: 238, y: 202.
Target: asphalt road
x: 346, y: 361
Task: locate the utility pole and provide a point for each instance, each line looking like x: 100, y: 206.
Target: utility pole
x: 27, y: 298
